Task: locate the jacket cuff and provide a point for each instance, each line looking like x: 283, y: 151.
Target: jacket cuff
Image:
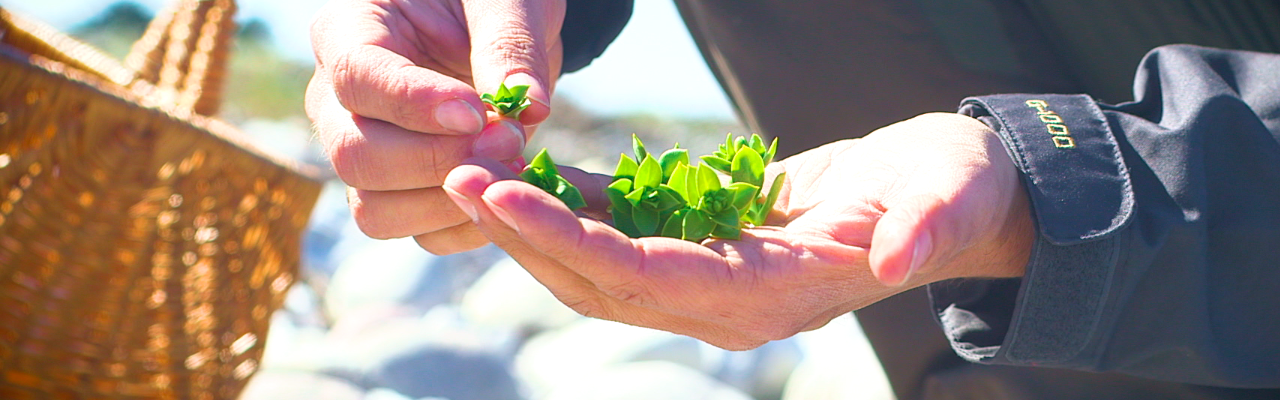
x: 589, y: 27
x: 1081, y: 196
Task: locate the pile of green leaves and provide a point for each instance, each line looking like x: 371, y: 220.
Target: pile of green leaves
x: 665, y: 195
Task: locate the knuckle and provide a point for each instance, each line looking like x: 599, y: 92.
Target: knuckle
x: 399, y: 86
x: 344, y: 76
x: 319, y: 32
x: 349, y: 160
x: 370, y: 222
x: 513, y: 46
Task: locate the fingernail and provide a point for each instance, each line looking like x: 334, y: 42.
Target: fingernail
x: 501, y: 140
x: 517, y: 165
x: 923, y: 246
x: 459, y: 116
x: 505, y: 218
x: 535, y: 93
x: 463, y: 204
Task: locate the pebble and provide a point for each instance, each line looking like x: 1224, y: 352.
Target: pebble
x: 646, y: 380
x: 296, y: 385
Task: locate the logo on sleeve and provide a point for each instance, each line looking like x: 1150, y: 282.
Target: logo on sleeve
x: 1054, y: 124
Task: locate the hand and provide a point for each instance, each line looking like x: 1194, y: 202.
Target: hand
x: 394, y: 101
x: 924, y: 200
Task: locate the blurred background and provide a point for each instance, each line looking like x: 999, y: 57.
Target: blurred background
x: 384, y: 320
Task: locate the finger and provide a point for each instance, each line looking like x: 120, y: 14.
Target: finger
x: 452, y: 240
x: 516, y: 42
x: 567, y: 285
x: 375, y: 155
x: 502, y: 139
x: 372, y: 76
x: 675, y: 276
x: 905, y: 238
x: 402, y: 213
x: 592, y: 188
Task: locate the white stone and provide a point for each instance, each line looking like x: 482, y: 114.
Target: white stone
x: 564, y: 356
x: 507, y: 297
x: 294, y: 385
x: 434, y: 355
x: 645, y: 380
x: 383, y: 273
x: 839, y: 364
x: 384, y: 394
x: 291, y: 346
x: 762, y: 372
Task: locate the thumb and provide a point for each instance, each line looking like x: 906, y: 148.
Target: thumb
x: 907, y: 237
x: 516, y: 42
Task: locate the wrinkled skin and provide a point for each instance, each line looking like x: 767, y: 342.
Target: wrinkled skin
x: 924, y: 200
x: 395, y: 102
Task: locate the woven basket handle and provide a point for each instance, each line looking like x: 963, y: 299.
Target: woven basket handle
x: 184, y: 54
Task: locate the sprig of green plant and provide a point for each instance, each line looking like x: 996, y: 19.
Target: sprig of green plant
x: 508, y: 102
x: 542, y: 173
x: 667, y: 196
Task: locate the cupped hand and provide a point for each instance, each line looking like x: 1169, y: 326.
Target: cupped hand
x: 394, y: 102
x: 924, y: 200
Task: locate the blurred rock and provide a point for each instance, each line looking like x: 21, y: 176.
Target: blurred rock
x: 295, y: 339
x: 398, y: 272
x: 304, y: 306
x: 437, y: 355
x: 507, y: 297
x: 291, y: 346
x: 839, y: 364
x: 762, y: 372
x: 384, y: 394
x: 287, y: 137
x: 291, y: 385
x: 563, y: 356
x: 449, y: 372
x: 330, y: 224
x: 645, y: 380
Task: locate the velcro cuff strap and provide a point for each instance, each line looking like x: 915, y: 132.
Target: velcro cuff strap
x: 1075, y: 175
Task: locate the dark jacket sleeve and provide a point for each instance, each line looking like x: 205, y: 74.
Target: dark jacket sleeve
x: 1158, y: 248
x: 589, y: 27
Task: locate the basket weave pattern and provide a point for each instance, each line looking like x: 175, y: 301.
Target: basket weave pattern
x: 143, y: 247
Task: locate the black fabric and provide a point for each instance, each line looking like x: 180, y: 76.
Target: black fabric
x: 589, y: 27
x: 1077, y: 182
x: 1185, y: 292
x: 820, y: 70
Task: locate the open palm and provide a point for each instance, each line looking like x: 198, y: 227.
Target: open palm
x: 850, y: 219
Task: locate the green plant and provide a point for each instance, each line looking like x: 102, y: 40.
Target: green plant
x: 666, y: 196
x: 542, y: 173
x: 508, y: 102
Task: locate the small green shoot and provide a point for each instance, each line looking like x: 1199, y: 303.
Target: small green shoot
x: 508, y: 102
x: 542, y: 173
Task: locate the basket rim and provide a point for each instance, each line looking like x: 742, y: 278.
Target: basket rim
x: 214, y: 127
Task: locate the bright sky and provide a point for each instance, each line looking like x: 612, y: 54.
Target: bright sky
x: 653, y: 64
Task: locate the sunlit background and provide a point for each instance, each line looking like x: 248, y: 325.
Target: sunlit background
x: 384, y: 320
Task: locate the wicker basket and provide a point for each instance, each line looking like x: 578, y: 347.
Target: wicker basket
x: 143, y: 244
